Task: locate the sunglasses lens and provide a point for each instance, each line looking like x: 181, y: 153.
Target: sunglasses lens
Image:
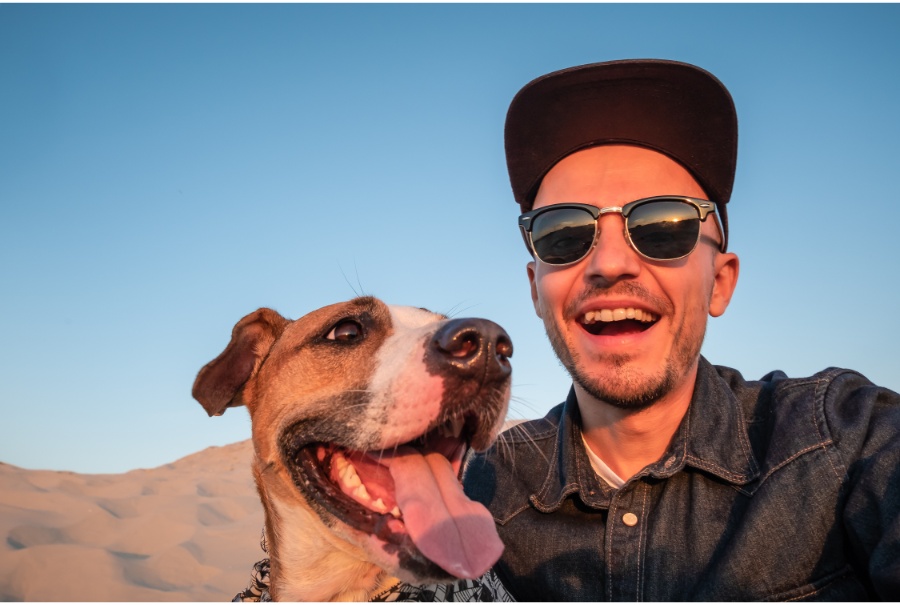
x: 562, y: 235
x: 664, y: 230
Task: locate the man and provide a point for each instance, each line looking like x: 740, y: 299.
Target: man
x: 663, y: 477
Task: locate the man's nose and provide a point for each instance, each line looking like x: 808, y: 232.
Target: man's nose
x: 612, y: 258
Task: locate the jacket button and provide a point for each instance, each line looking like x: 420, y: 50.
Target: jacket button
x: 629, y: 519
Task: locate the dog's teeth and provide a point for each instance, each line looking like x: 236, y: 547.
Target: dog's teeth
x: 361, y: 492
x: 350, y: 477
x: 346, y: 472
x: 452, y: 428
x: 396, y: 512
x: 379, y: 506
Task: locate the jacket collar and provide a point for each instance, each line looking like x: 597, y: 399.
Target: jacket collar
x: 712, y: 437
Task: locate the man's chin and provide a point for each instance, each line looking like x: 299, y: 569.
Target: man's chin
x: 622, y: 383
x: 625, y: 388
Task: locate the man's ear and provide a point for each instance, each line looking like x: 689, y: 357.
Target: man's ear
x: 534, y: 295
x: 219, y: 383
x: 727, y: 266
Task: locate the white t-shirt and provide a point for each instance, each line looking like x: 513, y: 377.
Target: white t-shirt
x: 603, y: 471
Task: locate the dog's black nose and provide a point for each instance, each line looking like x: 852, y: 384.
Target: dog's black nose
x: 474, y: 345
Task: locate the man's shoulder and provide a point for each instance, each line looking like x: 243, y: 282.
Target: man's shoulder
x: 526, y: 431
x: 835, y: 407
x: 826, y: 388
x: 528, y: 435
x: 517, y: 464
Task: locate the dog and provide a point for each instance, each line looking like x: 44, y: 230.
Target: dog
x: 361, y: 414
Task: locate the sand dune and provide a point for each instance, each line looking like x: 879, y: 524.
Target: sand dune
x: 186, y: 531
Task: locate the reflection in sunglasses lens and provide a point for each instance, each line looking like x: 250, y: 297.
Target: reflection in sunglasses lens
x: 664, y: 230
x: 563, y: 235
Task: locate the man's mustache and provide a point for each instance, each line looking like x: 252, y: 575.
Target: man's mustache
x: 625, y: 289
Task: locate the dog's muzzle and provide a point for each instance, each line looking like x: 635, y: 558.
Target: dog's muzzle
x: 411, y: 498
x: 472, y: 355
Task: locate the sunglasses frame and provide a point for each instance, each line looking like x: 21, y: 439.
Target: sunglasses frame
x: 703, y: 207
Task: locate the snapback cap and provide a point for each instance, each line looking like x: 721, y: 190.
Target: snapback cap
x: 675, y: 108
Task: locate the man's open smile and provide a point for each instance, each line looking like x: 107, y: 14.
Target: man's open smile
x: 618, y: 321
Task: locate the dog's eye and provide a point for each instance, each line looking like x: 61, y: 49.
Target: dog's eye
x: 346, y: 330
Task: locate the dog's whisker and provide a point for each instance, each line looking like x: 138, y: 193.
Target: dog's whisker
x: 517, y: 403
x: 452, y: 311
x: 362, y: 290
x: 458, y: 309
x: 515, y: 432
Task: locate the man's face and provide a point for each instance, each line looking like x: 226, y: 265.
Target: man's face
x: 628, y: 363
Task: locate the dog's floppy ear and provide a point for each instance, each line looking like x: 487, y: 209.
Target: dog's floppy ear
x: 219, y: 383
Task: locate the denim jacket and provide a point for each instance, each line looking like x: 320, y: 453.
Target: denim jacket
x: 779, y: 489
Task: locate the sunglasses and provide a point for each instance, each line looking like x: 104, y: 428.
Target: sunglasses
x: 661, y: 228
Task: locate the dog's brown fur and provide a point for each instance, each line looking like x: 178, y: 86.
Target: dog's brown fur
x: 357, y: 377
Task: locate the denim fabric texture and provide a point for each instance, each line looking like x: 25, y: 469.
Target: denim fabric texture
x: 777, y: 489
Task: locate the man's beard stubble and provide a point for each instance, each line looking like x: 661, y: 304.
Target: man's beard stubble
x: 633, y: 390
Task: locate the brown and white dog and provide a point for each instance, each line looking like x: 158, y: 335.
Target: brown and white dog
x: 361, y: 414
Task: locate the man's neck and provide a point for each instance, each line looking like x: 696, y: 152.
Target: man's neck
x: 629, y: 440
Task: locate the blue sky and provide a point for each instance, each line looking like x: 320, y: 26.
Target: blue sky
x: 166, y: 169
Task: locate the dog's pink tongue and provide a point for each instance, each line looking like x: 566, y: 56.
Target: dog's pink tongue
x: 456, y: 533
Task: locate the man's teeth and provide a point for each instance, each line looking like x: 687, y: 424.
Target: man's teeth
x: 607, y: 315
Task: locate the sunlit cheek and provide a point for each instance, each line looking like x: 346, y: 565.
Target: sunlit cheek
x: 552, y: 286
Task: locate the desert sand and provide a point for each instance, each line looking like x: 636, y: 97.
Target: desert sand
x: 186, y: 531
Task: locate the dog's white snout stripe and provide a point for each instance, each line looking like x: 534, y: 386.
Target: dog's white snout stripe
x: 405, y: 397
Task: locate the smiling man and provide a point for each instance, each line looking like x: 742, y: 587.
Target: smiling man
x: 634, y: 376
x: 663, y: 477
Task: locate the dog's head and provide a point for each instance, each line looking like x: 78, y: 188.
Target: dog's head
x: 363, y: 412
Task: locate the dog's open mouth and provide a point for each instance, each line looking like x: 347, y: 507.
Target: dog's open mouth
x: 410, y: 492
